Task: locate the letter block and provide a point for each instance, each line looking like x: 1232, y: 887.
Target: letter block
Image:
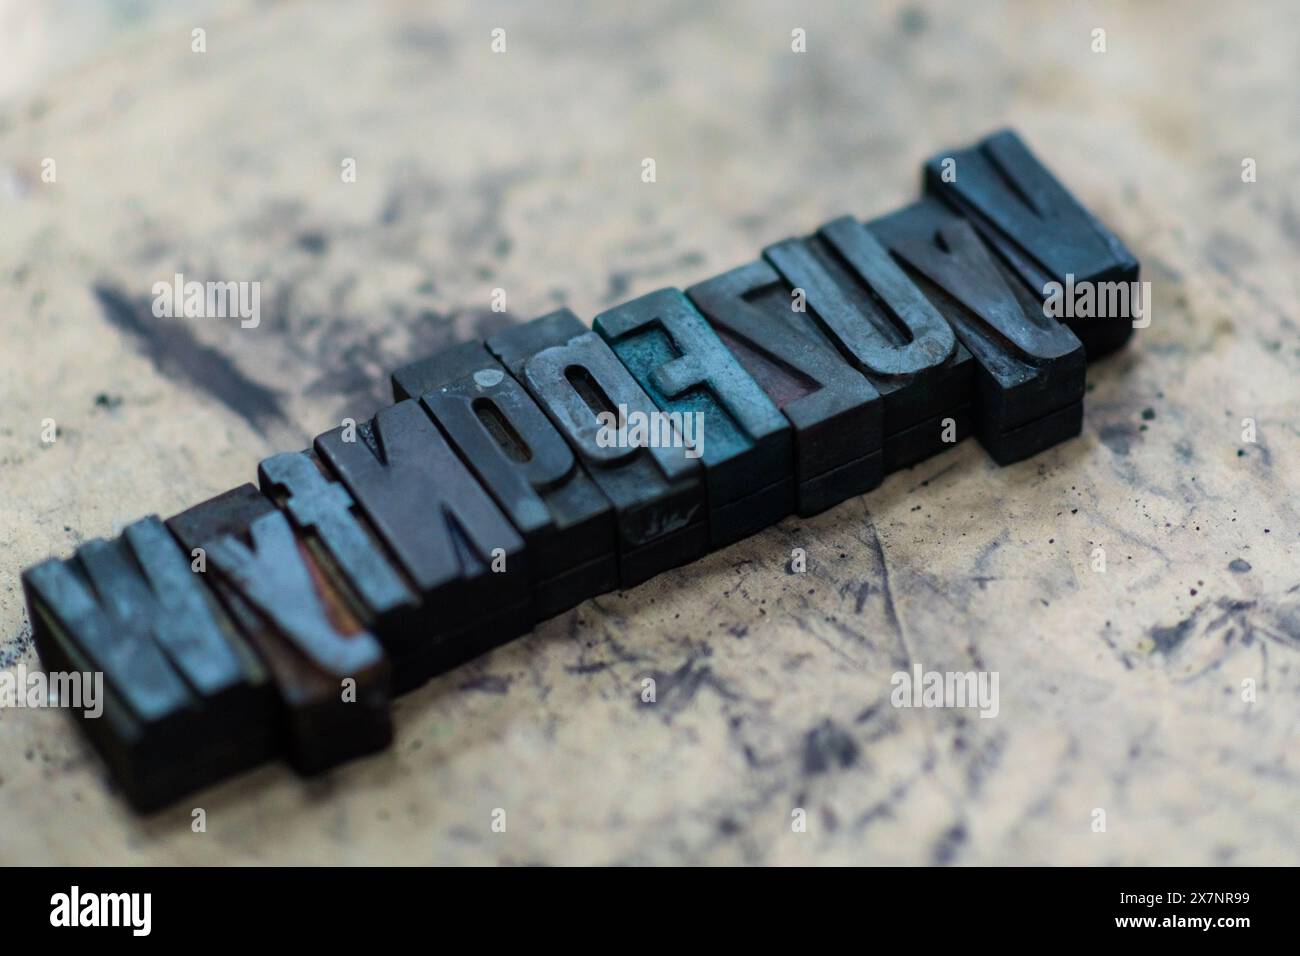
x: 331, y: 675
x: 865, y: 304
x: 658, y: 493
x: 187, y: 702
x: 1039, y: 230
x: 343, y: 544
x: 567, y: 523
x: 748, y: 446
x: 1031, y: 367
x: 462, y: 554
x: 836, y: 415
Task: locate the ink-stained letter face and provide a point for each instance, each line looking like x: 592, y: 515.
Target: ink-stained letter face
x: 1031, y: 367
x: 512, y: 447
x: 1038, y: 229
x: 681, y: 363
x: 656, y: 490
x: 277, y: 593
x: 272, y: 574
x: 835, y: 413
x: 445, y: 531
x: 187, y: 702
x: 866, y: 305
x: 420, y: 497
x: 321, y: 508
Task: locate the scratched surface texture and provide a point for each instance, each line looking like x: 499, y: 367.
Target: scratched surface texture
x: 1119, y: 691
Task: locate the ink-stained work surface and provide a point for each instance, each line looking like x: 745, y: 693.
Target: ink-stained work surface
x: 1119, y: 691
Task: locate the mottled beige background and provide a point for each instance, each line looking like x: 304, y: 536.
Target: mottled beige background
x: 1119, y: 691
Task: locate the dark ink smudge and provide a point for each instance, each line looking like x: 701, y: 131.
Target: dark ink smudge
x: 176, y: 353
x: 826, y: 746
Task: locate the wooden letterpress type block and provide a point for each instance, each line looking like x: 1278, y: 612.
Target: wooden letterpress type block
x: 835, y: 413
x: 864, y: 303
x: 567, y: 523
x: 1031, y: 367
x: 462, y: 554
x: 331, y: 524
x: 746, y: 444
x: 657, y: 492
x: 186, y: 701
x: 1043, y: 235
x: 331, y: 674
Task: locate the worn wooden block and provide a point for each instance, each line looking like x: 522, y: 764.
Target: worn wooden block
x: 835, y: 414
x: 658, y: 493
x: 1031, y: 367
x: 186, y: 702
x: 344, y: 545
x: 1038, y: 228
x: 461, y: 553
x: 567, y: 523
x: 748, y: 447
x: 883, y: 324
x: 331, y: 675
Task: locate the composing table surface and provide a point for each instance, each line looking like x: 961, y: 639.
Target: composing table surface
x: 1163, y: 690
